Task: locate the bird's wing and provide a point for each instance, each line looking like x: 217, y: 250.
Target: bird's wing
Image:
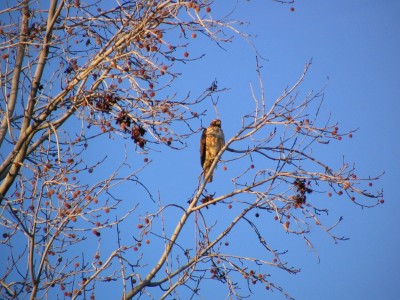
x: 222, y: 138
x: 203, y: 147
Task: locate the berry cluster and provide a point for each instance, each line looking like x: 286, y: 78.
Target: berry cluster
x: 218, y: 274
x: 137, y: 132
x: 137, y: 135
x: 207, y: 199
x: 302, y: 189
x: 106, y: 102
x: 123, y: 120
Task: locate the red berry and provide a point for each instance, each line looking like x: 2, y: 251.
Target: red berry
x: 186, y: 54
x: 208, y: 9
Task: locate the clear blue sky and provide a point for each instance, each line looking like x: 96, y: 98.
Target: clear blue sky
x: 356, y: 44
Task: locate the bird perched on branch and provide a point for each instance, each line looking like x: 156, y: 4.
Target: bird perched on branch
x: 212, y: 140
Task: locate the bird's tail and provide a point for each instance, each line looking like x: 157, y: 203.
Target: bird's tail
x: 205, y: 171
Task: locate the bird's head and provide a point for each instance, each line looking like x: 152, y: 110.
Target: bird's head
x: 216, y: 122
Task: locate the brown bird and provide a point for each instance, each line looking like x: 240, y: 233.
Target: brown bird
x: 211, y: 142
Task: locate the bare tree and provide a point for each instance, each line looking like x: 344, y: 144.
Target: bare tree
x: 76, y: 75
